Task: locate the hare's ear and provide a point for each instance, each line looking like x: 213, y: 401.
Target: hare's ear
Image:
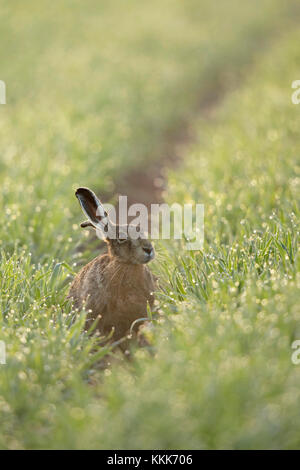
x: 92, y: 208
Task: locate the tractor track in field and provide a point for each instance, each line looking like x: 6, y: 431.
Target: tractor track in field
x: 146, y: 183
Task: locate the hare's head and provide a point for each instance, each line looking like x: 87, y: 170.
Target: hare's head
x: 121, y: 242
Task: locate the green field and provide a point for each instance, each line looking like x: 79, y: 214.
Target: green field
x: 92, y: 91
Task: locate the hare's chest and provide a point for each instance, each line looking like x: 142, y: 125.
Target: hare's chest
x: 130, y: 294
x: 127, y: 296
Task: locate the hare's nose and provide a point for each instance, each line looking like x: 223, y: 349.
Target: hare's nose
x: 148, y: 250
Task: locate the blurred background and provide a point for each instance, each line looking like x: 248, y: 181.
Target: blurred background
x: 114, y: 95
x: 94, y: 89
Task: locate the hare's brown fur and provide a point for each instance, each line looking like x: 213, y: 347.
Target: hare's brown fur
x: 116, y: 292
x: 115, y: 287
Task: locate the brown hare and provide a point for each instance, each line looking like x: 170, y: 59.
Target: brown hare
x: 115, y: 287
